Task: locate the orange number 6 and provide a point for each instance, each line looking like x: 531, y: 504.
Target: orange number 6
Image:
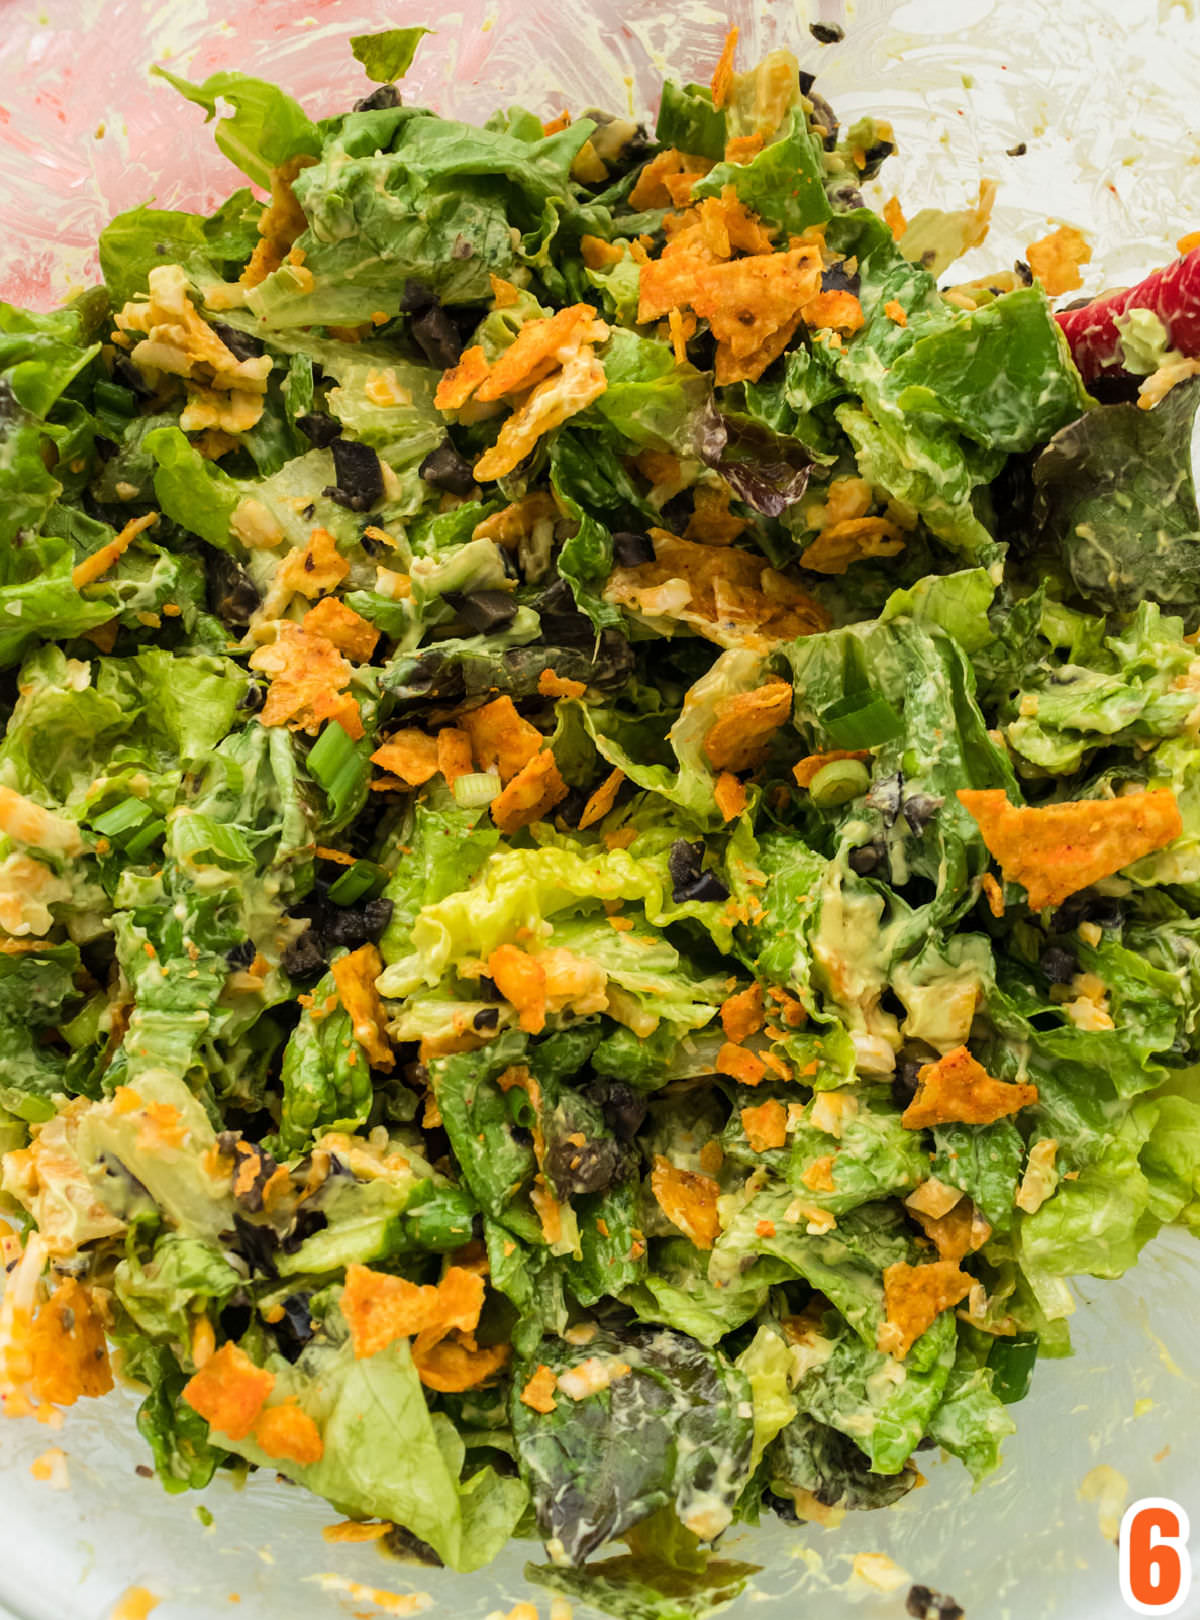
x: 1156, y: 1571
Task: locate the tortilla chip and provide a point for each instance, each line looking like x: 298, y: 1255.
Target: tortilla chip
x: 68, y: 1354
x: 958, y: 1090
x: 539, y: 1390
x: 349, y: 632
x: 561, y: 395
x: 711, y: 522
x: 536, y: 351
x: 915, y: 1296
x: 1055, y: 259
x: 740, y: 1064
x: 602, y: 800
x: 819, y: 1175
x: 500, y: 739
x: 851, y: 541
x: 229, y: 1391
x: 559, y: 686
x: 839, y: 311
x: 380, y: 1308
x: 531, y: 794
x: 805, y: 769
x: 102, y: 559
x: 688, y: 1200
x: 744, y: 725
x: 286, y: 1431
x: 521, y: 980
x: 765, y: 1126
x: 722, y: 79
x: 510, y: 526
x: 742, y: 1014
x: 454, y: 754
x: 741, y: 148
x: 307, y: 676
x: 748, y: 300
x: 460, y: 382
x: 457, y: 1363
x: 730, y: 796
x: 410, y: 754
x: 650, y: 190
x: 957, y: 1233
x: 280, y: 223
x: 894, y: 216
x: 314, y: 569
x: 355, y: 976
x: 1057, y: 849
x: 597, y: 254
x: 504, y: 294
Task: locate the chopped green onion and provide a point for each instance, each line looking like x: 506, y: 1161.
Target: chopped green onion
x: 112, y: 397
x: 1011, y: 1361
x: 476, y: 788
x: 364, y: 878
x: 142, y: 840
x: 839, y: 782
x: 861, y: 720
x: 341, y: 766
x: 122, y: 817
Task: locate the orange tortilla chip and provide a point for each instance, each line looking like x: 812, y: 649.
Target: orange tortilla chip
x: 531, y: 794
x: 559, y: 686
x: 315, y: 568
x: 742, y: 1014
x: 521, y: 980
x: 745, y: 723
x: 730, y: 796
x: 894, y: 217
x: 535, y: 351
x: 355, y: 975
x: 838, y: 311
x: 602, y: 800
x: 850, y: 541
x: 229, y: 1391
x: 349, y: 632
x: 460, y: 382
x: 650, y: 190
x: 410, y: 754
x: 688, y: 1200
x: 286, y: 1431
x: 510, y: 526
x: 765, y: 1126
x: 380, y: 1308
x: 957, y: 1233
x: 558, y: 122
x: 307, y: 675
x: 805, y: 769
x: 711, y: 522
x: 559, y: 396
x: 539, y: 1391
x: 740, y: 1064
x: 747, y: 301
x: 819, y: 1175
x: 454, y: 757
x: 457, y: 1363
x: 958, y: 1089
x: 1058, y: 849
x: 722, y: 79
x: 598, y: 254
x: 101, y: 560
x: 67, y: 1350
x: 500, y: 738
x: 915, y: 1296
x: 741, y: 148
x: 1055, y: 259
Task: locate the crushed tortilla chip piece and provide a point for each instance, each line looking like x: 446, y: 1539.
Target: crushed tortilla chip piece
x: 597, y: 254
x: 805, y: 769
x: 740, y: 1064
x: 956, y: 1233
x: 745, y: 723
x: 510, y: 526
x: 895, y: 311
x: 1055, y: 259
x: 853, y: 540
x: 349, y: 632
x: 765, y: 1126
x: 286, y: 1431
x: 67, y: 1349
x: 280, y: 223
x: 741, y: 148
x: 559, y: 122
x: 380, y: 1308
x: 730, y: 796
x: 819, y: 1175
x: 313, y: 569
x: 722, y: 79
x: 355, y: 976
x: 500, y: 738
x: 531, y: 795
x: 711, y: 522
x: 536, y: 351
x: 561, y: 395
x: 958, y: 1089
x: 308, y: 676
x: 650, y: 190
x: 229, y: 1391
x: 993, y: 894
x: 893, y: 216
x: 539, y: 1391
x: 460, y: 382
x: 559, y: 686
x: 521, y: 980
x: 457, y: 1363
x: 838, y: 311
x: 915, y: 1296
x: 688, y: 1200
x: 742, y: 1014
x: 410, y: 754
x: 102, y: 559
x: 454, y: 756
x: 1056, y: 849
x: 602, y: 800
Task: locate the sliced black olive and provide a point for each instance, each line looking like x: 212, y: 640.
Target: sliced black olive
x: 925, y: 1604
x: 708, y: 887
x: 253, y: 698
x: 445, y: 469
x: 242, y: 954
x: 1025, y: 274
x: 577, y: 1169
x: 304, y: 959
x: 824, y: 115
x: 562, y: 623
x: 307, y: 1222
x: 359, y: 475
x: 807, y: 80
x: 835, y: 279
x: 632, y: 550
x: 377, y: 914
x: 783, y: 1506
x: 885, y: 797
x: 1058, y: 964
x: 920, y: 809
x: 401, y: 1543
x: 127, y: 374
x: 380, y: 100
x: 624, y: 1109
x: 247, y: 1190
x: 342, y: 925
x: 295, y: 1327
x: 255, y: 1244
x: 416, y: 296
x: 827, y: 33
x: 1088, y: 906
x: 437, y: 337
x: 241, y: 345
x: 319, y: 429
x: 867, y: 858
x: 232, y: 595
x: 486, y: 1018
x: 684, y: 865
x: 484, y: 612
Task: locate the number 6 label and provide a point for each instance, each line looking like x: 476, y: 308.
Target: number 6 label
x: 1156, y: 1571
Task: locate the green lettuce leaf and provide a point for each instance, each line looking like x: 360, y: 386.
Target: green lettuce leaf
x: 388, y: 55
x: 266, y: 129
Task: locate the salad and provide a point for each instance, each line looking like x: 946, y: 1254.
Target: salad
x: 600, y: 808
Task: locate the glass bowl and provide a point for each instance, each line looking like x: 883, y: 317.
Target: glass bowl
x: 1096, y: 94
